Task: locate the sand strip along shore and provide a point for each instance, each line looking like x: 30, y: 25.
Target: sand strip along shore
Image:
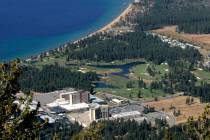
x: 116, y: 20
x: 104, y: 29
x: 109, y: 26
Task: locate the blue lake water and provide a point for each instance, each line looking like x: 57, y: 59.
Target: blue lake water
x: 124, y: 71
x: 28, y: 27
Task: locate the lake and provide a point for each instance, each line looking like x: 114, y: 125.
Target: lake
x: 124, y: 71
x: 29, y: 27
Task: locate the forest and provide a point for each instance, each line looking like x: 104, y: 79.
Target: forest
x: 62, y: 129
x: 190, y: 16
x: 119, y: 129
x: 131, y: 130
x: 112, y: 130
x: 53, y: 77
x: 129, y: 46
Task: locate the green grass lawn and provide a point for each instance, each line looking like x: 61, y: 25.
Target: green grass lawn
x: 120, y: 89
x: 120, y: 83
x: 61, y: 60
x: 133, y: 93
x: 202, y: 75
x: 140, y: 71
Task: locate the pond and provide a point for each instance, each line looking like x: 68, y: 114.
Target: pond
x: 125, y: 70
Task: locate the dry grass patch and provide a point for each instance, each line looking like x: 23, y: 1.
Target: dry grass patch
x: 201, y: 40
x: 195, y: 109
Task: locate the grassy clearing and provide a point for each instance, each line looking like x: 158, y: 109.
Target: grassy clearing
x: 202, y: 75
x: 140, y: 71
x: 179, y: 103
x: 133, y: 93
x: 61, y: 60
x: 120, y: 83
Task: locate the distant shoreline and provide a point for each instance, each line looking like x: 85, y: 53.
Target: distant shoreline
x: 109, y: 25
x: 116, y: 20
x: 104, y: 29
x: 31, y: 47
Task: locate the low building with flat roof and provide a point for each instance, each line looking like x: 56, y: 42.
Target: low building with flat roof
x: 127, y: 108
x: 140, y: 119
x: 94, y: 99
x: 75, y: 107
x: 117, y: 101
x: 62, y: 103
x: 127, y: 115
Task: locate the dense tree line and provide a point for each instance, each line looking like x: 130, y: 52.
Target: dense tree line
x: 190, y: 16
x: 197, y: 27
x: 16, y: 123
x: 131, y: 130
x: 180, y: 76
x: 62, y: 129
x: 132, y: 45
x: 53, y: 77
x: 202, y: 91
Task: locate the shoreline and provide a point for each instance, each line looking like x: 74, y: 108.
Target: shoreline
x: 108, y: 26
x: 116, y: 20
x: 111, y: 25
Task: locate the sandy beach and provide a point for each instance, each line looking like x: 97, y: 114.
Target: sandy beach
x: 116, y: 20
x: 111, y: 25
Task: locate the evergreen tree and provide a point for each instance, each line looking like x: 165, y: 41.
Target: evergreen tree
x: 199, y: 129
x: 140, y: 94
x: 15, y: 122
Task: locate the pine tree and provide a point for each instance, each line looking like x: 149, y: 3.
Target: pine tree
x: 199, y: 129
x: 168, y: 135
x: 140, y: 94
x: 15, y: 123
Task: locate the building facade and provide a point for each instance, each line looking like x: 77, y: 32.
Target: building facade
x: 99, y: 112
x: 76, y: 97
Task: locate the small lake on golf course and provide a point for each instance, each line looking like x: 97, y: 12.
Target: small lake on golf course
x: 124, y: 71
